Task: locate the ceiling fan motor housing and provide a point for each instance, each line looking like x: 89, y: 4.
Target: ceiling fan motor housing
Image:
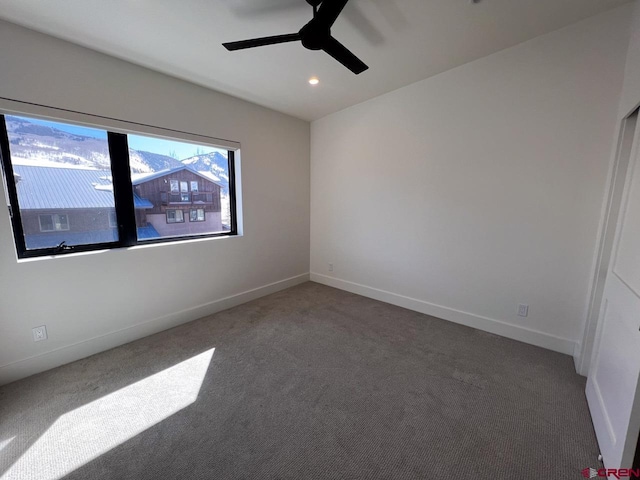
x: 314, y: 36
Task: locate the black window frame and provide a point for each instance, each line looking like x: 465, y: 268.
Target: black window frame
x: 122, y: 192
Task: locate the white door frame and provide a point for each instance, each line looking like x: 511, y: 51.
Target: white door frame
x: 609, y: 218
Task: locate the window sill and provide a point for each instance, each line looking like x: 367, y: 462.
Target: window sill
x: 142, y: 246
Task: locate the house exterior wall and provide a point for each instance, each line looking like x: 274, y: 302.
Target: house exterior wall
x: 158, y: 192
x: 212, y: 224
x: 80, y: 220
x: 207, y: 197
x: 141, y: 217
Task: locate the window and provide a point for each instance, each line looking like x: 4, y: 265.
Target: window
x: 105, y: 190
x: 175, y: 216
x: 54, y: 174
x: 53, y: 222
x: 196, y: 215
x: 195, y: 178
x: 46, y: 223
x: 184, y: 192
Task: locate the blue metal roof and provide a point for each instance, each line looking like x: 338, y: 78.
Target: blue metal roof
x: 49, y: 240
x: 139, y: 202
x: 148, y: 232
x: 62, y: 188
x: 45, y: 188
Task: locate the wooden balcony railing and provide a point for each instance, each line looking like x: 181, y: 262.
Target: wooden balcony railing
x: 186, y: 198
x: 202, y: 197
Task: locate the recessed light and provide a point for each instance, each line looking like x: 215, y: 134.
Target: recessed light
x: 314, y: 81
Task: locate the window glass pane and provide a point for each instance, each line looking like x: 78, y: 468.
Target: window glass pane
x: 61, y: 222
x: 173, y: 179
x: 62, y: 174
x: 196, y: 215
x: 175, y: 216
x: 46, y: 223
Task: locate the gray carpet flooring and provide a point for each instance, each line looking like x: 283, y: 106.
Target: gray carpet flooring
x: 308, y: 383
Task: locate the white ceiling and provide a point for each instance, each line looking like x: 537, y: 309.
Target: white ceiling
x: 402, y: 41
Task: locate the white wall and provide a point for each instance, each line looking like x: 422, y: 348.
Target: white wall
x: 95, y: 301
x: 630, y: 98
x: 629, y: 101
x: 470, y: 192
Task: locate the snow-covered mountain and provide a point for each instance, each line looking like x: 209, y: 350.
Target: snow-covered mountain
x: 215, y: 163
x: 143, y: 162
x: 35, y: 144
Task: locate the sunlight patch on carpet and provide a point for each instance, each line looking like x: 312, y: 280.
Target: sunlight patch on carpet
x: 83, y: 434
x: 4, y: 443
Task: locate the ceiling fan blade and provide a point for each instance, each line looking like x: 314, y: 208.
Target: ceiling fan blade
x: 260, y: 42
x: 342, y: 54
x: 329, y: 11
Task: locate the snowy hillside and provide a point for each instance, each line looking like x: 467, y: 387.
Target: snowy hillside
x: 215, y: 163
x: 143, y: 162
x: 33, y: 144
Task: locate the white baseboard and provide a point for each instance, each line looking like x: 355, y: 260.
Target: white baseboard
x: 515, y: 332
x: 70, y: 353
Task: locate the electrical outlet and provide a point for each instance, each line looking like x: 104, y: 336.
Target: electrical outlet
x: 39, y: 333
x: 331, y: 267
x: 523, y: 310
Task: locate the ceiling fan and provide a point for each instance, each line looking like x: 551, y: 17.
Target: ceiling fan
x: 315, y: 35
